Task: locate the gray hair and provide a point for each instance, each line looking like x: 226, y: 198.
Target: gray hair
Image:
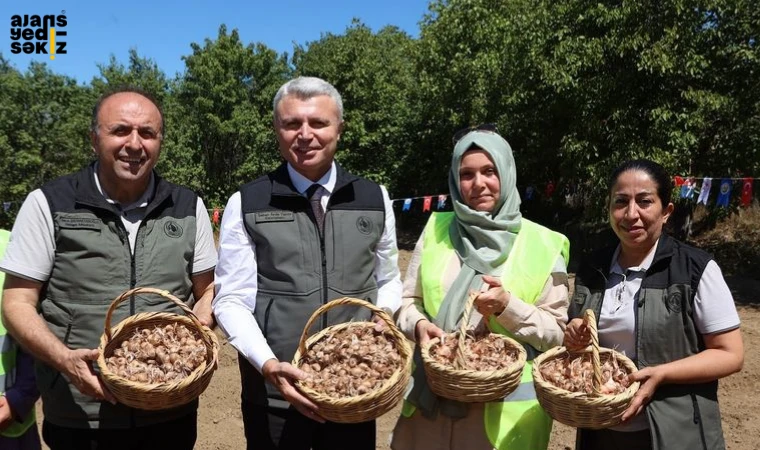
x: 307, y: 87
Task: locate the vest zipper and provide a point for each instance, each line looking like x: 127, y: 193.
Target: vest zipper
x: 124, y: 236
x: 324, y: 259
x: 324, y: 277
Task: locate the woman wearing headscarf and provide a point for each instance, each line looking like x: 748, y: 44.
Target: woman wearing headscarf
x: 519, y: 270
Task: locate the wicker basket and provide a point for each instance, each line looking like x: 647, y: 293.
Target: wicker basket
x: 472, y: 386
x: 578, y: 409
x: 359, y: 408
x: 155, y: 396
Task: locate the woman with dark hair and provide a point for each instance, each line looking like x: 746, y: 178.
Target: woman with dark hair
x: 519, y: 269
x: 666, y: 306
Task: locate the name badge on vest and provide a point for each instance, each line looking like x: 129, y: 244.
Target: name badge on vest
x: 82, y: 223
x: 274, y: 216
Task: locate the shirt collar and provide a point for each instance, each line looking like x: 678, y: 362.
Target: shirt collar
x: 615, y: 267
x: 301, y: 183
x: 141, y: 202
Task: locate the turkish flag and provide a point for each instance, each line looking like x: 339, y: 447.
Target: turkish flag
x: 746, y: 191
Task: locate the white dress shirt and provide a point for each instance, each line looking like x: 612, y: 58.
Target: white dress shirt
x: 235, y: 278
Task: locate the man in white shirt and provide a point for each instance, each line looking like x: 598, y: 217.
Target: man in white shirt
x: 290, y: 241
x: 83, y: 239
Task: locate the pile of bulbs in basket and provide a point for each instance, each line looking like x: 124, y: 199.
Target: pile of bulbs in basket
x: 575, y: 374
x: 352, y: 361
x: 158, y: 355
x: 484, y: 352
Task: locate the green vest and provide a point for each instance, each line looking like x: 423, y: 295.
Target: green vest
x: 8, y: 349
x: 517, y: 422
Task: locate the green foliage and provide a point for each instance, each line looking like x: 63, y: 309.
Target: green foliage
x: 576, y: 87
x: 141, y: 72
x: 44, y: 120
x: 224, y: 118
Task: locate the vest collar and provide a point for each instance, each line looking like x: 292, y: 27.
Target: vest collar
x: 601, y: 260
x: 87, y: 192
x: 663, y: 254
x: 282, y: 185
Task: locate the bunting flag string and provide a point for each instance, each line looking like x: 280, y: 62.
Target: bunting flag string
x: 688, y: 188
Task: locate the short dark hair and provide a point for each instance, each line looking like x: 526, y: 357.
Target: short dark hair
x: 121, y: 90
x: 656, y: 172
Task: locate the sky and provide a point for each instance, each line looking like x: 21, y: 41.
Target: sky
x: 163, y: 30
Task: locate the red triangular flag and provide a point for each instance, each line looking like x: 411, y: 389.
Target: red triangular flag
x: 746, y: 191
x: 426, y: 204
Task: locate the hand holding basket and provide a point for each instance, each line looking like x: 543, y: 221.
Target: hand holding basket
x: 363, y: 407
x: 580, y: 409
x: 155, y: 396
x: 467, y: 385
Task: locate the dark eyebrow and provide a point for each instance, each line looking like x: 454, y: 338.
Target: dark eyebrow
x: 122, y: 126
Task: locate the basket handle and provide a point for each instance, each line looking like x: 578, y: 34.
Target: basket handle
x: 147, y: 290
x: 461, y: 356
x: 589, y: 318
x: 338, y: 302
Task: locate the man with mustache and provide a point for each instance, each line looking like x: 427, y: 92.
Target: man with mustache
x: 82, y: 240
x: 292, y: 240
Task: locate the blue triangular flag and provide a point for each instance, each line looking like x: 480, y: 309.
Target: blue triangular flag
x: 725, y: 193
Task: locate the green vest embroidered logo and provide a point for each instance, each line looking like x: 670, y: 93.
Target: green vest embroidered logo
x: 8, y: 349
x: 173, y: 229
x: 518, y: 422
x: 364, y: 225
x: 674, y: 301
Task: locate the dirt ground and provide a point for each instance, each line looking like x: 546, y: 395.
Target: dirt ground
x: 220, y: 425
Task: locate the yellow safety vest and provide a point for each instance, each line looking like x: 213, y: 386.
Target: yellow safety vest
x: 517, y: 422
x: 8, y: 349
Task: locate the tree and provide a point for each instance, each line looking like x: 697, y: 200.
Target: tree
x: 578, y: 87
x: 224, y: 102
x: 141, y: 73
x: 44, y: 119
